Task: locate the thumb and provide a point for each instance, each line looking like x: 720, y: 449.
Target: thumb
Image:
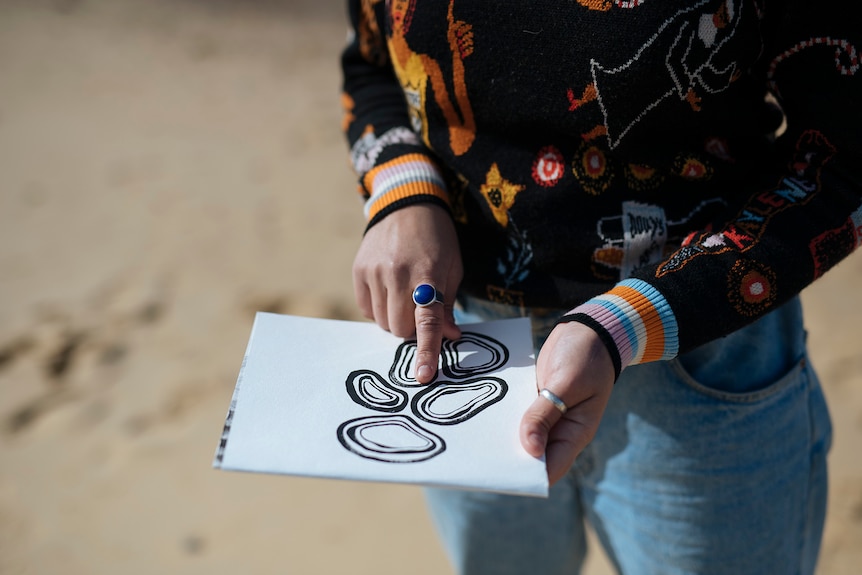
x: 536, y: 425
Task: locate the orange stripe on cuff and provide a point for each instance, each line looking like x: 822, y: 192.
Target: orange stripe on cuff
x: 368, y: 179
x: 406, y: 191
x: 654, y: 349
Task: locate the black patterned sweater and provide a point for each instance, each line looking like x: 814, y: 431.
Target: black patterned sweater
x: 673, y: 169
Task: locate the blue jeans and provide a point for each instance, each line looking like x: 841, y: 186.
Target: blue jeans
x: 712, y: 463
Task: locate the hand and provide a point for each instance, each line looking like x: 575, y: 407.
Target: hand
x: 576, y: 366
x: 413, y: 245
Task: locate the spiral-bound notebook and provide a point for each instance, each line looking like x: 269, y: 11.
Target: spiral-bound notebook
x: 337, y: 399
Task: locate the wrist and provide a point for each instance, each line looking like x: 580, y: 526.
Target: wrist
x: 603, y: 334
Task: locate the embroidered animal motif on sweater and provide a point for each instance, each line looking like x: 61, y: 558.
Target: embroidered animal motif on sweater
x: 415, y: 71
x: 690, y: 43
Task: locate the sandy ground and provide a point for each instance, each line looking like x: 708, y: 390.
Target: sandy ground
x: 166, y: 169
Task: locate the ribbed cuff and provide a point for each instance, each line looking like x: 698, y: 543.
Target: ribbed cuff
x: 604, y: 335
x: 408, y: 201
x: 636, y: 318
x: 402, y: 181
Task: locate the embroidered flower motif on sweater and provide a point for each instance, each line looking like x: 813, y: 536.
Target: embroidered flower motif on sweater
x: 642, y: 178
x: 751, y: 287
x: 549, y: 167
x: 590, y: 166
x: 691, y: 168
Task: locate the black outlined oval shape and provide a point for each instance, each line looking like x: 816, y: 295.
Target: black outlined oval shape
x: 368, y: 389
x: 460, y: 361
x: 403, y: 370
x: 448, y: 403
x: 390, y: 438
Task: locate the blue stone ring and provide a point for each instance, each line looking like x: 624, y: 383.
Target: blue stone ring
x: 426, y: 294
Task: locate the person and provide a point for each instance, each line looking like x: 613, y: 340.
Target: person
x: 653, y: 184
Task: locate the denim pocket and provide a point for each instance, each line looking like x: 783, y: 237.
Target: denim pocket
x: 750, y: 363
x: 736, y: 385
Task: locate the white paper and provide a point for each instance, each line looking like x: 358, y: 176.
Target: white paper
x: 336, y: 399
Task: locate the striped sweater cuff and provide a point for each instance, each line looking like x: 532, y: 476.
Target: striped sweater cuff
x: 404, y: 180
x: 638, y: 319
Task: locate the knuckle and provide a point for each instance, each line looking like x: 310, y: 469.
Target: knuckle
x: 429, y: 322
x: 394, y: 268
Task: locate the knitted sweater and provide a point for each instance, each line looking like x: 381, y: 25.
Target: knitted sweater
x: 674, y: 169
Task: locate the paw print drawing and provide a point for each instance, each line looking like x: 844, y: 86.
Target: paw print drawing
x: 459, y: 394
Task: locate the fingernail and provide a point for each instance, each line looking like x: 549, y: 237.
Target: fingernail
x: 424, y: 373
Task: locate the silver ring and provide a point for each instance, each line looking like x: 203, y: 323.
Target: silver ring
x: 558, y: 403
x: 426, y: 294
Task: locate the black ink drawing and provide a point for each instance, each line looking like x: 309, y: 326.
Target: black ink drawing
x: 447, y: 403
x: 370, y: 390
x: 400, y: 439
x: 402, y: 371
x: 390, y: 438
x: 454, y: 364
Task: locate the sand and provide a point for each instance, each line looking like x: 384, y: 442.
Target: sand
x: 167, y: 168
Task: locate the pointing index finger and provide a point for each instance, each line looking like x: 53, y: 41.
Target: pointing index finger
x: 430, y: 319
